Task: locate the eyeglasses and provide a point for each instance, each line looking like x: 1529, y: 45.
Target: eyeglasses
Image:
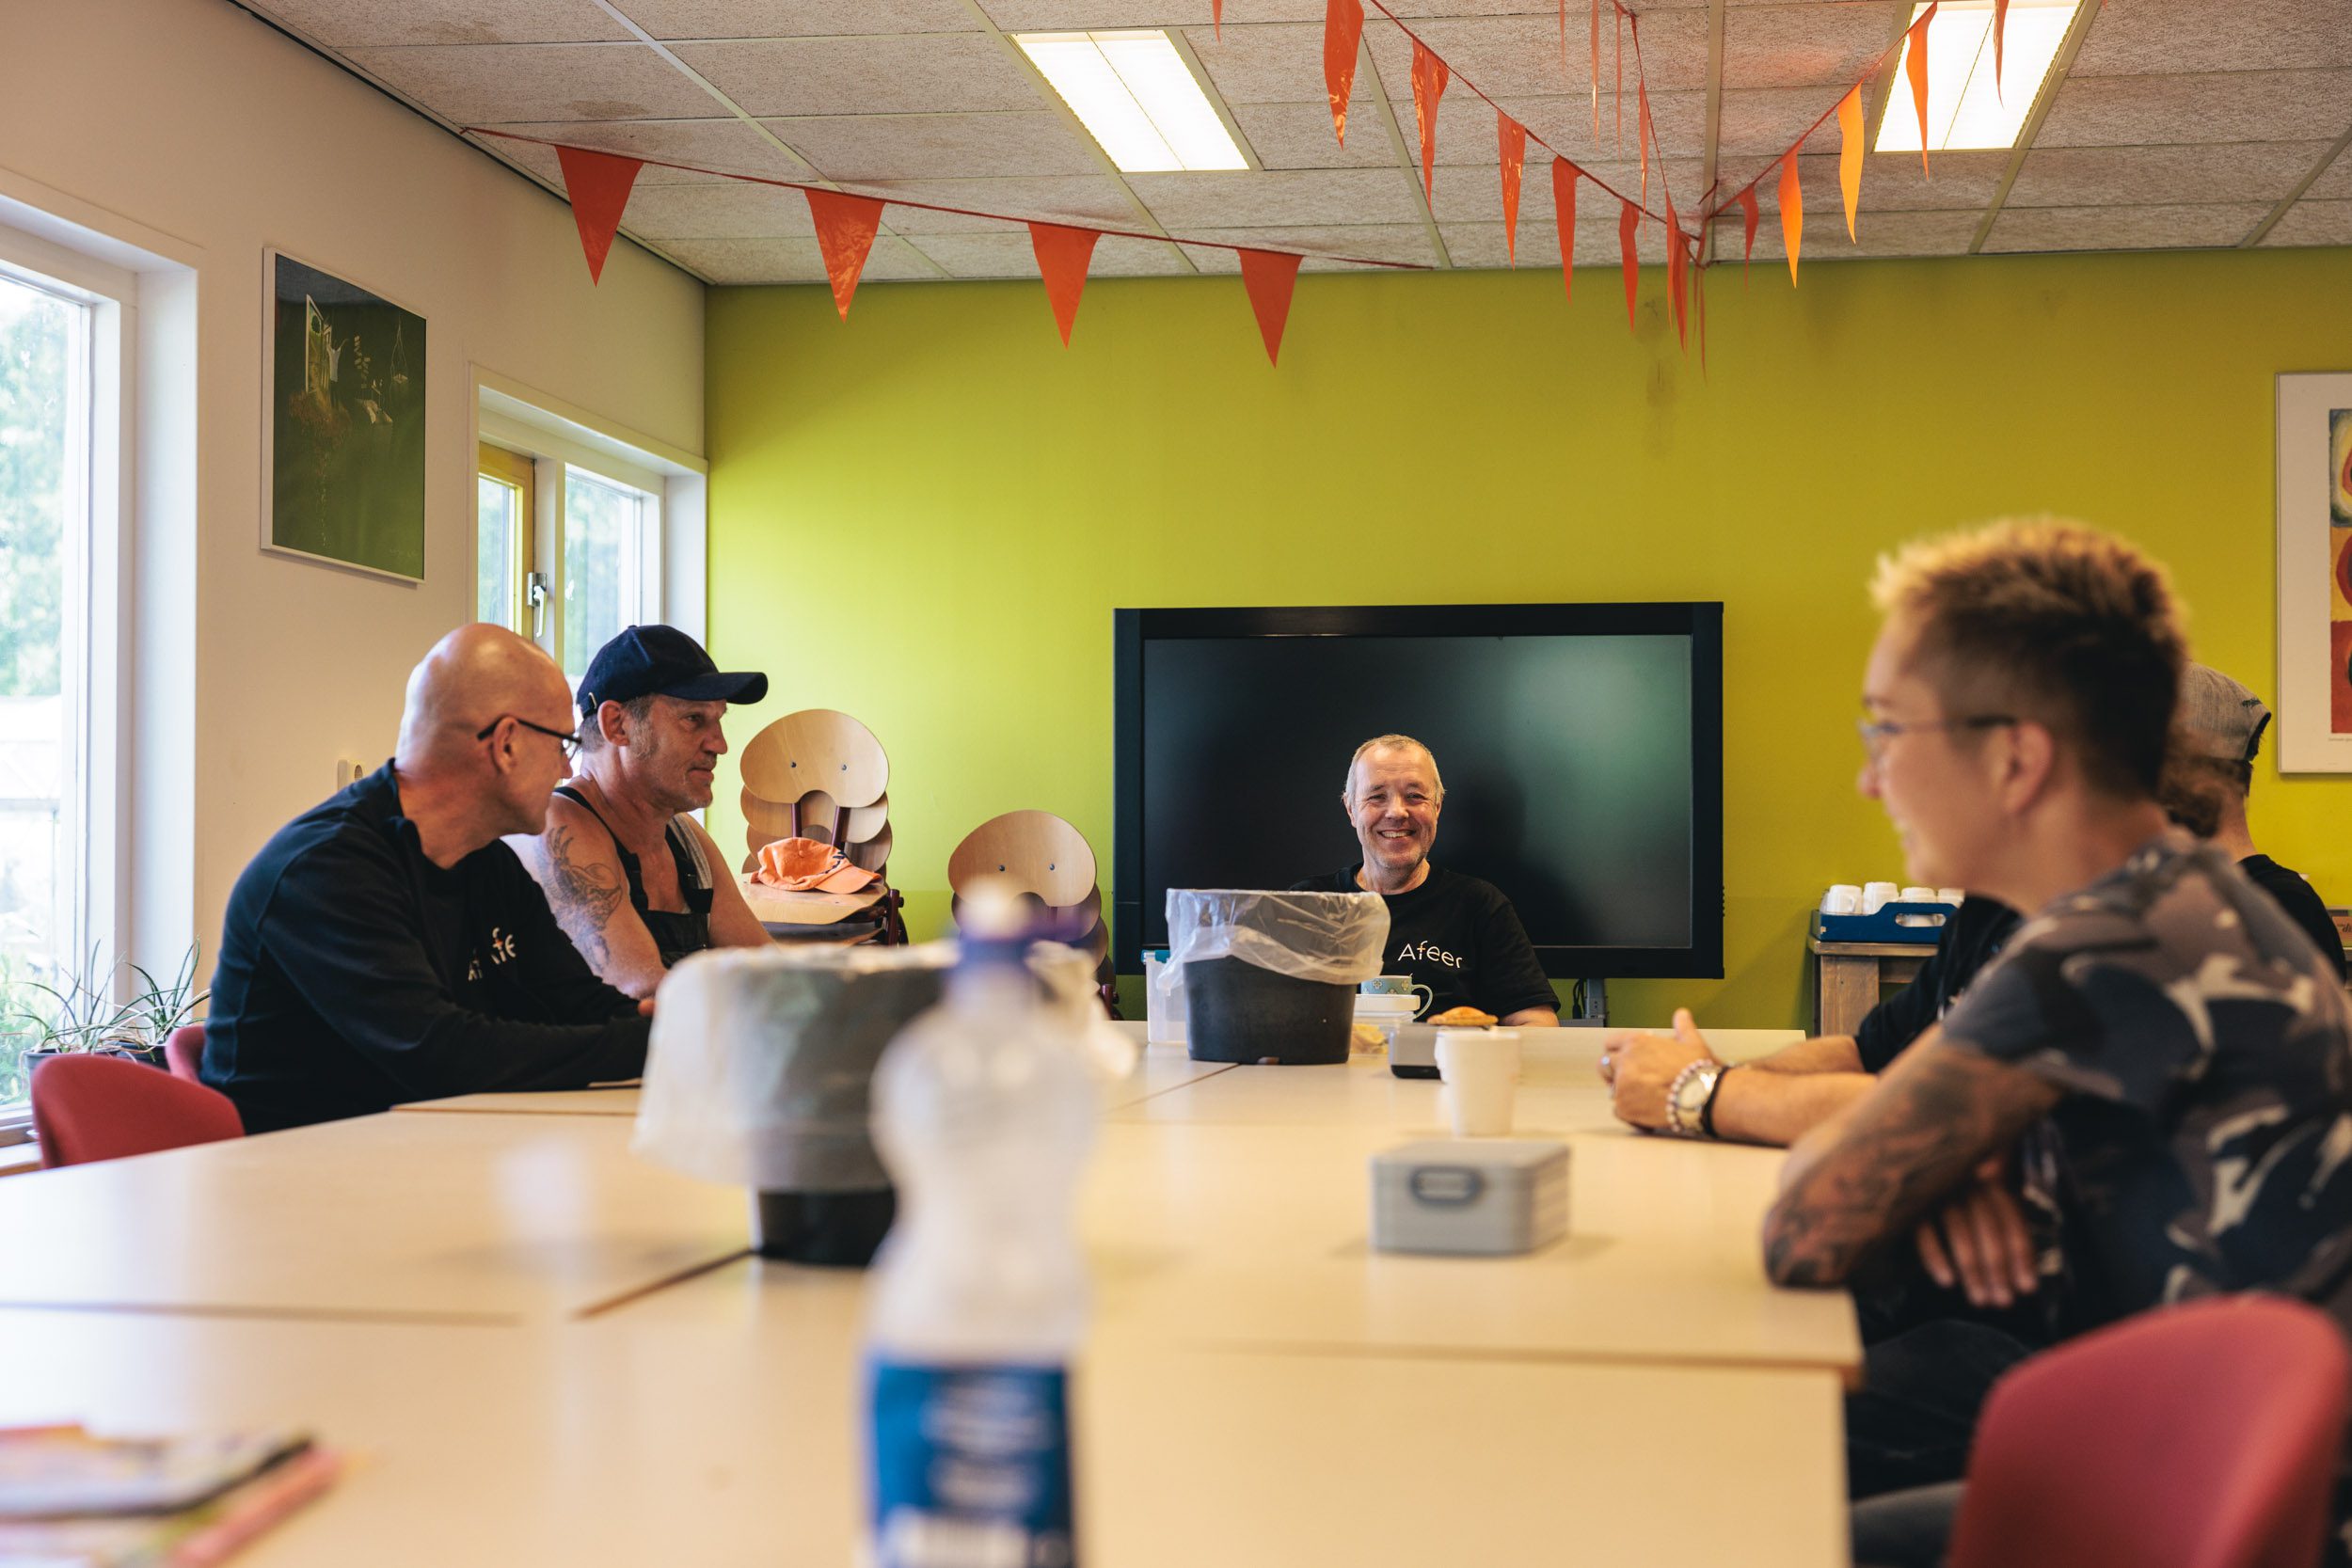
x: 568, y: 739
x: 1876, y: 733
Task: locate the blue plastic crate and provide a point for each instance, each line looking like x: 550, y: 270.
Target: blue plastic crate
x: 1882, y: 926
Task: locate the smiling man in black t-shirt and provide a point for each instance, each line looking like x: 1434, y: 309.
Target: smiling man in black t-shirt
x: 1455, y: 934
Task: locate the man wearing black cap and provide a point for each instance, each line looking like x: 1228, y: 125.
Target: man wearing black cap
x: 636, y: 882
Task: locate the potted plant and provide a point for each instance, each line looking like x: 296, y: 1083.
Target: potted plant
x: 85, y: 1017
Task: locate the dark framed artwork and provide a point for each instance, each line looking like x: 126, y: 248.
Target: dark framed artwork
x: 342, y: 431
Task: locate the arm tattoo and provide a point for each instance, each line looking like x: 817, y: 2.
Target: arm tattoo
x: 585, y: 896
x: 1937, y: 1112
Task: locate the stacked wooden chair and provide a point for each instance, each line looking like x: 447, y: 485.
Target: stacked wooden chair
x: 1051, y: 864
x: 821, y: 775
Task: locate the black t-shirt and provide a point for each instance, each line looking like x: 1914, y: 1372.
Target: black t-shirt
x: 354, y: 974
x: 1459, y: 937
x: 2302, y: 903
x: 1972, y: 937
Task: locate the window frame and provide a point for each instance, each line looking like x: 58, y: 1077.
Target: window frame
x: 517, y: 472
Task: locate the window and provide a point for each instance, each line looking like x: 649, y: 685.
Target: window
x: 503, y: 488
x: 46, y: 341
x: 605, y: 565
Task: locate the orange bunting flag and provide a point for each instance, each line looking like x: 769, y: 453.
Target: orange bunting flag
x: 1062, y: 255
x: 1216, y: 18
x: 1595, y: 72
x: 1430, y: 77
x: 1678, y: 275
x: 845, y: 233
x: 1791, y: 210
x: 1849, y: 153
x: 1640, y: 131
x: 1747, y: 213
x: 598, y: 185
x: 1564, y: 217
x: 2001, y: 22
x: 1511, y: 136
x: 1269, y: 276
x: 1628, y: 225
x: 1343, y: 28
x: 1916, y: 66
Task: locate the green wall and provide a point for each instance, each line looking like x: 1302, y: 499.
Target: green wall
x: 925, y: 514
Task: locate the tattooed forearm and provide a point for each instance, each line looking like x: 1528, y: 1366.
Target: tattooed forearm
x: 1937, y: 1112
x: 584, y: 897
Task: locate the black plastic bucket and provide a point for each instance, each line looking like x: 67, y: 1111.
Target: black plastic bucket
x: 838, y: 1230
x: 1241, y: 1013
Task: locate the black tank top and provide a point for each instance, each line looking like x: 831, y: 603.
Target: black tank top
x: 675, y: 933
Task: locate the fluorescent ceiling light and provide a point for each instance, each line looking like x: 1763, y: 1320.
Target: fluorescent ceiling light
x: 1963, y: 108
x: 1134, y: 94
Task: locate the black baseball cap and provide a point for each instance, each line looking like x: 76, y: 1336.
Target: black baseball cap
x: 662, y: 661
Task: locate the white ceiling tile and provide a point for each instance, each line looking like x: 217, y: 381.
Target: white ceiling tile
x: 1339, y: 196
x: 1891, y: 182
x: 2150, y: 176
x: 1760, y: 122
x: 2313, y: 222
x: 2058, y: 229
x: 1298, y: 135
x: 500, y: 83
x: 1479, y: 197
x: 1266, y: 64
x: 919, y: 73
x: 864, y: 148
x: 1035, y: 16
x: 1506, y: 56
x: 1093, y: 202
x: 776, y: 19
x: 347, y: 23
x: 1012, y: 255
x: 1479, y: 245
x: 2147, y: 35
x: 2335, y: 182
x: 1877, y: 235
x: 1406, y: 243
x: 732, y: 211
x: 1825, y: 45
x: 745, y: 261
x: 722, y: 147
x: 2246, y: 106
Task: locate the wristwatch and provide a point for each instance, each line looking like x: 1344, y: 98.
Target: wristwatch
x: 1687, y: 1096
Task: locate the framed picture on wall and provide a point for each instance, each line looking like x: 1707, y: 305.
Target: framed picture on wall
x: 2316, y: 574
x: 342, y: 425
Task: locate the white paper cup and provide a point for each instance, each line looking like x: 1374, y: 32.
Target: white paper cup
x: 1481, y: 1069
x: 1843, y: 899
x: 1876, y: 896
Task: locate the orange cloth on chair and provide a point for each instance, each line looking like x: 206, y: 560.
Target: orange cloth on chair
x: 806, y: 865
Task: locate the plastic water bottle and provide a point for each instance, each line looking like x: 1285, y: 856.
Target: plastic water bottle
x: 984, y: 1110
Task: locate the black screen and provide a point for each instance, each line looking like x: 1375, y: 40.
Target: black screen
x: 1579, y: 746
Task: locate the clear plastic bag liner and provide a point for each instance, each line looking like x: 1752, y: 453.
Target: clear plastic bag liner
x: 761, y: 1060
x: 1333, y: 937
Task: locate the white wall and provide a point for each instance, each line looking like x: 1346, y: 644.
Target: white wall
x: 192, y: 129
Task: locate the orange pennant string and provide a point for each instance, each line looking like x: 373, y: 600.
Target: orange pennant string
x: 1563, y: 219
x: 1343, y: 28
x: 1850, y: 153
x: 1629, y: 226
x: 1747, y: 212
x: 845, y: 233
x: 1269, y: 276
x: 1791, y: 210
x: 1430, y: 77
x: 598, y: 185
x: 1916, y: 64
x: 1062, y: 255
x: 1511, y: 138
x: 2000, y: 23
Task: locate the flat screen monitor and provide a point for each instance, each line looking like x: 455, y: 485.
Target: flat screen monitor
x: 1580, y: 747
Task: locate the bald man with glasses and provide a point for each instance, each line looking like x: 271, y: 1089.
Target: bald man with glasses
x: 386, y: 946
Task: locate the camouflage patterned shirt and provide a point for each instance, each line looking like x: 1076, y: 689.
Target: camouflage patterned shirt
x: 2205, y: 1050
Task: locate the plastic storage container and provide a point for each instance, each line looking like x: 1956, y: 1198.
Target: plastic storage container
x: 1488, y: 1196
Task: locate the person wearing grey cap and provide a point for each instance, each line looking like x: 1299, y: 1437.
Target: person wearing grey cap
x: 635, y: 881
x: 2217, y: 734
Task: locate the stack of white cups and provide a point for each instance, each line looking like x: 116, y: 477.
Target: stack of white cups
x: 1871, y: 897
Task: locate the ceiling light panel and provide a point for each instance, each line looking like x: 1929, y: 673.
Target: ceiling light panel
x: 1137, y: 96
x: 1965, y: 108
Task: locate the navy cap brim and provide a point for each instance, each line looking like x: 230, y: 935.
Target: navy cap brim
x: 720, y: 685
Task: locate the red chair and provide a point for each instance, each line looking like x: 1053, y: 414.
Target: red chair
x: 2197, y: 1436
x: 89, y: 1108
x: 184, y: 1053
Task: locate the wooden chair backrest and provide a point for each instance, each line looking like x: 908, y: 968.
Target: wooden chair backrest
x: 1037, y: 850
x: 816, y: 749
